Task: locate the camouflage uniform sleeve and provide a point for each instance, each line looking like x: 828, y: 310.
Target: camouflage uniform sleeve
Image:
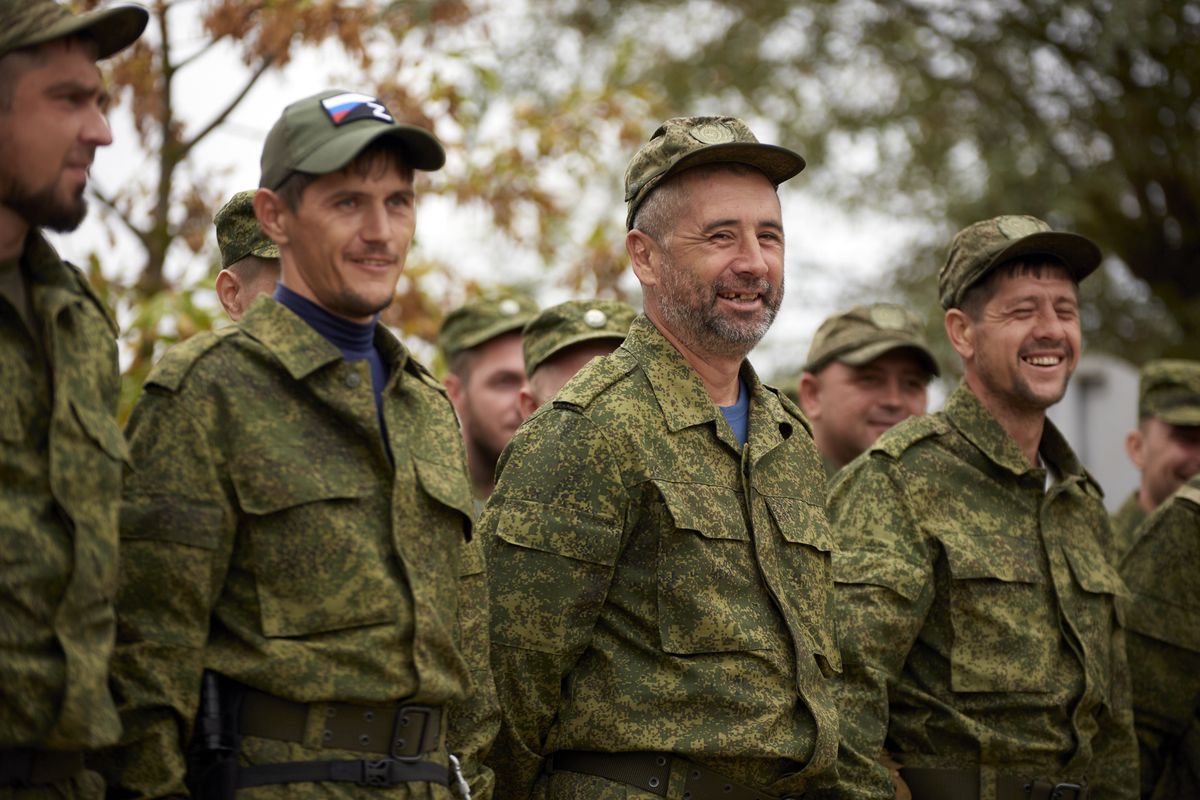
x: 177, y: 526
x: 883, y: 589
x: 553, y: 530
x: 1114, y: 771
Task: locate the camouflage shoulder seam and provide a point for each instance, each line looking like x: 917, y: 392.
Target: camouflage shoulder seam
x: 177, y: 362
x: 89, y: 291
x: 1093, y: 485
x: 896, y: 440
x: 789, y: 407
x: 423, y: 372
x: 595, y: 379
x: 1189, y: 494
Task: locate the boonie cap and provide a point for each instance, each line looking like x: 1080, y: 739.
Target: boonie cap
x: 685, y: 142
x: 238, y: 231
x: 478, y: 321
x: 864, y: 333
x: 982, y: 246
x: 571, y: 323
x: 26, y: 23
x: 323, y: 133
x: 1170, y: 390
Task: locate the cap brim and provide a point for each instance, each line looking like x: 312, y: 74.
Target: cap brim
x: 112, y: 29
x: 579, y: 338
x: 1079, y: 253
x: 1182, y: 416
x: 421, y: 150
x: 861, y: 355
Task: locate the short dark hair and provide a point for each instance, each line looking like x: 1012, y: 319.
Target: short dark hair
x: 250, y: 267
x: 461, y: 364
x: 382, y: 152
x: 976, y: 297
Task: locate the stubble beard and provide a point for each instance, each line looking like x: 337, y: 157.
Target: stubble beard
x: 43, y: 209
x: 355, y: 306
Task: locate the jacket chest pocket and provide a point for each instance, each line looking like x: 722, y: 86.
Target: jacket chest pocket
x: 318, y: 545
x: 1005, y: 631
x: 1098, y: 608
x: 711, y: 597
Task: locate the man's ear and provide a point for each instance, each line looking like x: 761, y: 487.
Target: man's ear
x: 644, y: 256
x: 961, y: 332
x: 1135, y: 447
x: 809, y: 395
x: 526, y: 402
x: 270, y: 209
x: 454, y: 388
x: 228, y: 287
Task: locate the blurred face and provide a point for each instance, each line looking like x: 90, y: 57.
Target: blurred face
x: 850, y: 406
x: 1167, y: 455
x: 556, y: 371
x: 344, y: 247
x: 487, y: 402
x: 720, y: 281
x: 1024, y: 347
x: 49, y: 133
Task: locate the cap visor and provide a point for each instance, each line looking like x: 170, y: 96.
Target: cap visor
x: 861, y: 355
x: 1079, y: 254
x: 112, y: 29
x: 777, y: 163
x: 421, y: 150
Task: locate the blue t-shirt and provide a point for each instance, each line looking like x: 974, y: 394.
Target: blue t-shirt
x: 738, y: 414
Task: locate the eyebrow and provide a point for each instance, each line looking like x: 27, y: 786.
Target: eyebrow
x: 722, y: 223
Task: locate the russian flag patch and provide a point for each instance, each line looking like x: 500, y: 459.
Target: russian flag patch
x: 351, y: 106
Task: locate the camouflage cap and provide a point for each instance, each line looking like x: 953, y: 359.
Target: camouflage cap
x: 1170, y: 390
x: 685, y: 142
x: 26, y: 23
x: 474, y: 323
x: 571, y: 323
x: 324, y: 132
x: 982, y: 246
x: 238, y: 232
x: 864, y: 333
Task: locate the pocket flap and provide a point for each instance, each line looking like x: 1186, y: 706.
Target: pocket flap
x: 1094, y: 573
x: 995, y: 556
x: 103, y: 430
x: 878, y: 568
x: 270, y: 480
x: 560, y: 531
x: 801, y: 522
x: 714, y: 512
x: 448, y: 485
x: 1164, y: 621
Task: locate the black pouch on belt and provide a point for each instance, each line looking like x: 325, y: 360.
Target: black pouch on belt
x: 212, y: 756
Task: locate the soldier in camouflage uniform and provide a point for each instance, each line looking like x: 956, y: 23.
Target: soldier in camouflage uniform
x: 1165, y: 447
x: 563, y: 339
x: 481, y: 343
x: 1163, y: 622
x: 867, y: 369
x: 249, y: 260
x: 659, y: 556
x: 975, y: 593
x: 292, y: 530
x: 61, y: 451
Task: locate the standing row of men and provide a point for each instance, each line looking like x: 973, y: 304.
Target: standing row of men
x: 678, y: 608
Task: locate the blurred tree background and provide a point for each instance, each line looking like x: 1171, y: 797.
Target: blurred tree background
x: 1082, y: 112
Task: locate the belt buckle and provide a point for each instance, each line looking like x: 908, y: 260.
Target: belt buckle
x: 375, y: 773
x: 1056, y: 791
x: 399, y: 742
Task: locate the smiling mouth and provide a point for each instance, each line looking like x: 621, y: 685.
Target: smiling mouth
x: 1043, y: 361
x: 739, y: 298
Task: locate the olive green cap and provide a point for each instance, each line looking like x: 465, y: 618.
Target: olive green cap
x: 238, y: 232
x: 26, y: 23
x: 982, y: 246
x: 323, y: 133
x: 685, y: 142
x: 864, y: 333
x: 474, y: 323
x: 1170, y: 390
x: 571, y: 323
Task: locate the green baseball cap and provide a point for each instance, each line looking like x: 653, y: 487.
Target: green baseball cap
x: 1170, y: 390
x: 864, y: 333
x: 982, y: 246
x: 26, y: 23
x: 571, y: 323
x: 685, y: 142
x: 477, y: 321
x: 324, y: 132
x: 238, y: 231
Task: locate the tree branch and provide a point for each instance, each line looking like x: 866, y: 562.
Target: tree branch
x: 185, y: 147
x: 111, y: 205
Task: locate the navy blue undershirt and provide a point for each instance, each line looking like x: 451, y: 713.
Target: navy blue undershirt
x: 356, y: 340
x: 738, y: 414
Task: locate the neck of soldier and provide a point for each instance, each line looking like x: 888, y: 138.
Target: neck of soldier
x: 13, y: 230
x: 718, y: 371
x: 1024, y: 424
x: 482, y: 467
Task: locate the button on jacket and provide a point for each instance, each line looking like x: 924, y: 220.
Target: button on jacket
x: 981, y: 604
x: 267, y: 536
x: 656, y: 587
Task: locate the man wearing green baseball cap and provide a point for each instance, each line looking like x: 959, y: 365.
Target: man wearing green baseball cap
x: 1165, y: 446
x: 249, y: 260
x: 563, y: 339
x: 659, y: 558
x: 61, y: 450
x: 976, y: 589
x: 295, y: 534
x: 868, y: 369
x: 481, y: 344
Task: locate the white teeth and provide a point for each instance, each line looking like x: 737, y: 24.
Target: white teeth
x: 1044, y: 361
x: 745, y: 297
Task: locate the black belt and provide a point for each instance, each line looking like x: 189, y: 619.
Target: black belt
x: 651, y: 772
x: 27, y: 767
x: 928, y: 783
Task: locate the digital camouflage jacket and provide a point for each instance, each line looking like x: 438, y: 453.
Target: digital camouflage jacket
x: 267, y: 536
x: 61, y: 459
x: 977, y: 610
x: 1163, y: 574
x: 655, y: 587
x: 1126, y: 522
